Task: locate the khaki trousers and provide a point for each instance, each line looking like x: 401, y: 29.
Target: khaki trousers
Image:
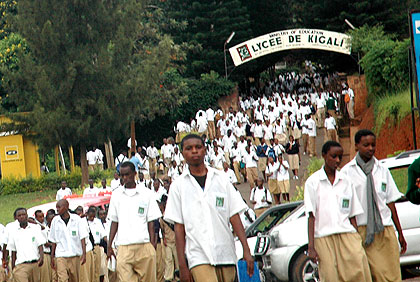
x: 46, y: 270
x: 3, y: 276
x: 104, y: 265
x: 262, y: 164
x: 211, y: 130
x: 152, y: 166
x: 332, y: 135
x: 171, y: 261
x: 136, y: 263
x: 342, y: 258
x: 92, y: 167
x: 160, y: 262
x: 167, y: 162
x: 237, y: 170
x: 209, y: 273
x: 251, y: 175
x: 305, y: 138
x: 383, y: 255
x: 26, y: 272
x: 320, y: 116
x: 260, y: 211
x: 112, y: 275
x: 227, y: 158
x: 87, y: 270
x: 98, y: 262
x: 311, y: 146
x: 68, y: 269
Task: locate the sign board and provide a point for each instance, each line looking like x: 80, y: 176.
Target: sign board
x: 288, y: 40
x: 415, y: 41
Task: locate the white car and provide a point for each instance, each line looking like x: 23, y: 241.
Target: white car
x: 283, y: 248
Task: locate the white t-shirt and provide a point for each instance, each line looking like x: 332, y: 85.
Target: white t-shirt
x: 261, y: 197
x: 90, y: 192
x: 385, y: 187
x: 311, y: 127
x: 210, y: 114
x: 272, y: 168
x: 115, y: 183
x: 331, y: 205
x: 250, y: 159
x: 258, y: 131
x: 166, y: 151
x: 205, y: 215
x: 231, y: 175
x: 61, y: 193
x: 329, y: 123
x: 133, y: 209
x: 91, y: 157
x: 283, y: 172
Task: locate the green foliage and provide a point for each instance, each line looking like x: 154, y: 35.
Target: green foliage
x: 315, y: 164
x: 48, y: 181
x: 299, y: 194
x: 393, y: 107
x: 7, y: 9
x: 384, y: 60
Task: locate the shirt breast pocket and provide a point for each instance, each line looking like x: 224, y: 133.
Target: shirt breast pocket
x: 142, y: 209
x: 220, y: 201
x: 344, y: 202
x: 382, y: 189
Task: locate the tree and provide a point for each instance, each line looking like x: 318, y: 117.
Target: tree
x: 87, y: 75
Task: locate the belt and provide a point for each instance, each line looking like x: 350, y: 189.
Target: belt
x: 47, y: 253
x: 32, y: 261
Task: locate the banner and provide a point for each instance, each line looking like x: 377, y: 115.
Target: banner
x: 288, y: 40
x: 415, y: 41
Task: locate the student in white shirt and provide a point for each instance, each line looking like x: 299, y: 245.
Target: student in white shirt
x: 229, y: 173
x: 91, y: 159
x: 250, y: 159
x: 377, y: 192
x: 166, y: 150
x: 68, y: 235
x: 311, y: 127
x: 271, y: 178
x: 133, y: 210
x: 45, y: 269
x: 260, y: 198
x: 3, y: 276
x: 210, y: 119
x: 63, y: 191
x: 236, y: 156
x: 90, y: 191
x: 331, y: 206
x: 152, y: 153
x: 320, y: 109
x: 9, y: 229
x: 174, y: 171
x: 97, y: 230
x: 330, y: 128
x: 283, y: 178
x: 202, y: 203
x: 115, y: 183
x: 26, y: 247
x: 217, y: 159
x: 122, y: 157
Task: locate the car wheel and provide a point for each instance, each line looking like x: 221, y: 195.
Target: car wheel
x: 304, y: 270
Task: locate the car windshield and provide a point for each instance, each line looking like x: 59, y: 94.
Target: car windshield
x: 273, y: 219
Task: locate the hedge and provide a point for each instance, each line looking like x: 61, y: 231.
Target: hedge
x: 48, y: 181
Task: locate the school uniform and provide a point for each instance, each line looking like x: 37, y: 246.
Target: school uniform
x: 45, y: 270
x: 3, y: 276
x: 383, y: 253
x: 90, y: 192
x: 9, y: 229
x: 61, y: 193
x: 312, y: 135
x: 133, y: 209
x: 330, y: 126
x: 250, y: 159
x: 25, y: 242
x: 337, y: 243
x: 236, y: 157
x: 283, y: 176
x: 272, y: 179
x: 98, y: 232
x: 153, y: 153
x: 205, y: 213
x: 263, y: 198
x: 87, y: 270
x: 68, y: 238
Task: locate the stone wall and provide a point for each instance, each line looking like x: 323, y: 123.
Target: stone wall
x: 229, y: 101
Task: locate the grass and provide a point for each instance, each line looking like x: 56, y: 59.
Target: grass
x: 400, y: 176
x: 393, y: 106
x: 9, y: 203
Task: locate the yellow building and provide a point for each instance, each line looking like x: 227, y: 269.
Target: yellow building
x: 18, y: 156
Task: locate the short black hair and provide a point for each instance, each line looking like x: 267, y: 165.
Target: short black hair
x: 16, y: 211
x: 51, y: 211
x: 92, y: 209
x: 361, y: 133
x: 130, y: 165
x: 191, y: 136
x: 327, y: 146
x: 37, y: 212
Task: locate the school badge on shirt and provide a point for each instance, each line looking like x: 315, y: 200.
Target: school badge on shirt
x: 141, y: 210
x: 33, y: 239
x: 383, y: 187
x: 345, y: 204
x: 73, y: 233
x: 220, y: 202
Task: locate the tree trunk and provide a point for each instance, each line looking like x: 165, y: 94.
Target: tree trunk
x: 84, y: 166
x: 133, y: 137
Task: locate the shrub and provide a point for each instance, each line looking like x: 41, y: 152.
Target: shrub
x: 12, y: 185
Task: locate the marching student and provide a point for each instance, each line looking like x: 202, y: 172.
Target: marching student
x: 271, y: 178
x: 97, y: 231
x: 63, y: 191
x: 68, y: 235
x: 201, y: 204
x: 45, y: 270
x: 90, y: 191
x: 3, y: 276
x: 283, y: 178
x: 377, y: 193
x: 9, y: 229
x: 132, y: 212
x: 260, y: 198
x: 331, y: 206
x: 330, y: 128
x: 26, y: 249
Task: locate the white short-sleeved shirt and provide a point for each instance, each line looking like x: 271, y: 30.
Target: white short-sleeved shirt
x: 283, y: 172
x: 90, y: 192
x: 97, y: 230
x: 167, y: 151
x: 10, y: 228
x: 330, y: 123
x: 311, y: 127
x: 272, y: 168
x: 258, y: 195
x: 68, y: 237
x: 385, y: 187
x: 258, y: 131
x: 133, y: 209
x: 210, y: 114
x: 61, y: 193
x: 331, y: 205
x: 91, y: 157
x: 115, y: 183
x: 231, y: 175
x: 205, y: 215
x: 25, y: 242
x: 250, y: 159
x: 1, y: 237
